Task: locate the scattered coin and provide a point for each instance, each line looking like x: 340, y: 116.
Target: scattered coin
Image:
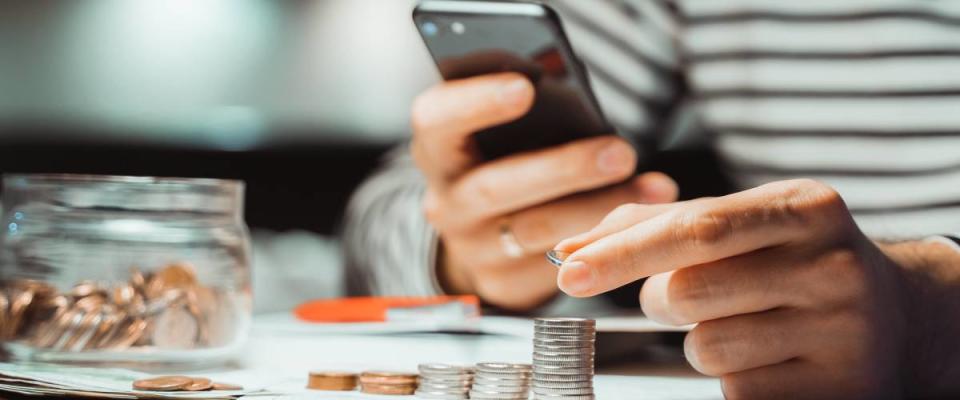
x: 163, y: 383
x: 326, y: 380
x: 199, y: 385
x: 226, y: 386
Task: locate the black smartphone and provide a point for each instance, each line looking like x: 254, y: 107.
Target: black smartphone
x: 468, y: 38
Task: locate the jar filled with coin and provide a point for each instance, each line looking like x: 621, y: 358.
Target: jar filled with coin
x: 131, y: 270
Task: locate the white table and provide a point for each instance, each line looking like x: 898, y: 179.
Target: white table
x: 280, y: 359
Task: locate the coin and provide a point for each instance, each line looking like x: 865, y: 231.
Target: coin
x: 373, y: 388
x: 163, y: 383
x: 387, y: 378
x: 199, y: 385
x: 226, y: 386
x: 327, y: 380
x: 563, y: 357
x: 556, y: 257
x: 175, y: 328
x: 15, y: 314
x: 174, y: 276
x: 4, y: 305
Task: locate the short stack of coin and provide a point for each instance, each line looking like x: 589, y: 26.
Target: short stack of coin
x: 330, y: 380
x: 501, y: 381
x: 389, y: 383
x: 444, y: 381
x: 563, y: 350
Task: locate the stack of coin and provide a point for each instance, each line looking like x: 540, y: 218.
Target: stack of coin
x: 444, y: 381
x: 169, y: 309
x: 181, y: 384
x: 501, y: 381
x: 328, y: 380
x: 563, y: 350
x: 389, y: 383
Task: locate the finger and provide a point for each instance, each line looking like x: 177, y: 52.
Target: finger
x: 758, y: 281
x: 714, y: 229
x: 444, y: 117
x: 524, y: 180
x: 795, y: 379
x: 538, y: 228
x: 743, y: 342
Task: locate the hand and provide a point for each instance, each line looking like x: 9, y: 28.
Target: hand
x: 543, y: 196
x: 791, y: 299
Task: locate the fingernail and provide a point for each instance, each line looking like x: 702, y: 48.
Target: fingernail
x: 575, y: 278
x: 616, y: 158
x: 515, y: 91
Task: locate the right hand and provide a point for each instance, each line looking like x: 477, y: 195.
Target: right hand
x: 544, y: 195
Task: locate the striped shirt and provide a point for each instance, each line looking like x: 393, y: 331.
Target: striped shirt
x: 863, y: 95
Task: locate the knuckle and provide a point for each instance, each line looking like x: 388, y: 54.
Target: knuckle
x: 700, y: 227
x: 705, y: 347
x: 811, y: 197
x: 735, y: 388
x: 481, y: 191
x: 686, y: 291
x: 623, y: 211
x: 846, y: 269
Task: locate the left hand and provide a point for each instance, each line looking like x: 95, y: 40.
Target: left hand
x: 791, y: 299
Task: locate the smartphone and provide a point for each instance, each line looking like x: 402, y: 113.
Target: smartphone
x: 468, y: 38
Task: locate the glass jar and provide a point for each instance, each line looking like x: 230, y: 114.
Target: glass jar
x: 114, y: 269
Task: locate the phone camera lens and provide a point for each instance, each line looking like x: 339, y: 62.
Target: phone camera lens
x: 429, y: 28
x: 458, y: 28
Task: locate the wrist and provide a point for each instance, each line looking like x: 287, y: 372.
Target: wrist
x: 930, y: 274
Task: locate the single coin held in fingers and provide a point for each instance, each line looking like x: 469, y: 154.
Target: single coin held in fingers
x: 556, y: 257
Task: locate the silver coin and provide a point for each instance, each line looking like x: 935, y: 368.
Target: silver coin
x: 545, y: 378
x: 564, y: 330
x: 567, y: 364
x: 423, y: 394
x: 538, y: 396
x: 444, y: 369
x: 446, y: 387
x: 553, y: 342
x: 562, y: 370
x: 539, y: 357
x: 501, y: 367
x: 561, y: 385
x: 568, y: 321
x: 579, y: 391
x: 446, y: 381
x: 500, y: 389
x: 556, y: 257
x: 479, y: 395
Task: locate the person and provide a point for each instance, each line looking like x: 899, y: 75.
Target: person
x: 826, y: 276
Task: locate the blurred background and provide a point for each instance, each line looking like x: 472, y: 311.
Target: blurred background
x: 299, y: 99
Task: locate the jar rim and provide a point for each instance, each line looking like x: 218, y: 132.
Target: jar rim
x: 130, y: 179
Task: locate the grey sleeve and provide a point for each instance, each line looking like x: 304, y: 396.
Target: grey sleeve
x: 388, y: 245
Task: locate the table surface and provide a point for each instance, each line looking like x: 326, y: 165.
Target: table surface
x: 279, y: 359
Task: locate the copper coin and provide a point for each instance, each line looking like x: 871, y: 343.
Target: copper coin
x: 226, y: 386
x: 199, y: 385
x: 85, y: 288
x: 18, y: 306
x: 123, y: 295
x: 80, y: 330
x: 388, y: 378
x: 130, y: 333
x: 163, y: 383
x: 177, y: 276
x: 108, y: 323
x: 328, y: 380
x: 373, y: 388
x: 4, y: 306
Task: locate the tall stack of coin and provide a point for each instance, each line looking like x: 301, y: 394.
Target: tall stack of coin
x: 563, y: 350
x: 389, y: 383
x: 501, y: 381
x: 444, y: 381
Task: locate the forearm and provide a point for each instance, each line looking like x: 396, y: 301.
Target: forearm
x: 931, y: 272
